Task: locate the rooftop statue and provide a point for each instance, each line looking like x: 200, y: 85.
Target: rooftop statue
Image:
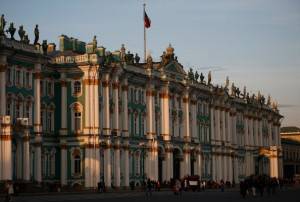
x: 209, y: 78
x: 108, y: 58
x: 201, y: 78
x: 196, y: 76
x: 248, y: 98
x: 123, y: 52
x: 44, y: 47
x: 21, y: 33
x: 149, y: 61
x: 11, y: 30
x: 191, y: 74
x: 262, y: 100
x: 137, y: 58
x: 36, y: 34
x: 2, y: 25
x: 238, y: 92
x: 26, y: 39
x: 129, y: 58
x: 227, y: 82
x: 258, y: 96
x: 94, y: 44
x: 233, y: 93
x: 269, y: 100
x: 164, y: 59
x: 245, y: 92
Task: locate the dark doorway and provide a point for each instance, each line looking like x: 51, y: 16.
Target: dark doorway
x: 176, y: 164
x: 160, y: 160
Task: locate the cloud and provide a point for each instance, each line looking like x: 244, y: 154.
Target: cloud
x: 288, y: 106
x: 212, y: 68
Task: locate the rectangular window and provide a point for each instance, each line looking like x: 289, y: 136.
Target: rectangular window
x: 8, y: 76
x: 9, y: 108
x: 27, y: 80
x: 27, y: 110
x: 18, y: 77
x: 42, y: 88
x: 77, y: 164
x: 49, y: 88
x: 49, y: 121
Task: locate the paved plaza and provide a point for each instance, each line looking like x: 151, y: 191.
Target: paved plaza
x: 289, y: 195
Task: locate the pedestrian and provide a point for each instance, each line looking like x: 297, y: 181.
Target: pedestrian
x: 185, y: 184
x: 148, y: 189
x: 222, y: 185
x: 10, y: 191
x: 243, y: 189
x: 158, y: 185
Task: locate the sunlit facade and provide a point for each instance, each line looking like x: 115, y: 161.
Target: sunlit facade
x: 81, y: 114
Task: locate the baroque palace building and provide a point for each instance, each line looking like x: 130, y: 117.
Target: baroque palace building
x: 79, y: 114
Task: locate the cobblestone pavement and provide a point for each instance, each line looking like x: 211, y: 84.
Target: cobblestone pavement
x: 290, y: 195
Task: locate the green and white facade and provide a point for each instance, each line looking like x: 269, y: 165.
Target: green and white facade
x: 81, y: 114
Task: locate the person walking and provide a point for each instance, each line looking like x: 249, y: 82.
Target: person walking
x: 10, y: 191
x: 148, y: 189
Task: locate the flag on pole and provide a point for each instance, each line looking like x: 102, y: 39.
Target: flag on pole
x: 147, y: 21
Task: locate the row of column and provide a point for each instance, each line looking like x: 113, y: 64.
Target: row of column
x: 222, y: 134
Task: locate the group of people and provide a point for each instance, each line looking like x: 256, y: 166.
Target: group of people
x: 258, y: 185
x: 151, y: 186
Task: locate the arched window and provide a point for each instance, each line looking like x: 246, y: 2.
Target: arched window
x: 77, y: 121
x: 76, y: 117
x: 77, y: 88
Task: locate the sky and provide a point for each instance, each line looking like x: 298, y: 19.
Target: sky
x: 256, y: 43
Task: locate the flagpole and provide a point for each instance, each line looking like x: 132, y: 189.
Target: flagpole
x: 144, y: 5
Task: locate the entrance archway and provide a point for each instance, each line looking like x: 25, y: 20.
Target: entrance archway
x: 176, y: 163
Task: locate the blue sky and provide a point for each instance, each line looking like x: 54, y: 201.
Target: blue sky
x: 254, y: 42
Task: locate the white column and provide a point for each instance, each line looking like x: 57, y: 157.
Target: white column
x: 116, y: 131
x: 270, y: 132
x: 165, y: 130
x: 186, y: 132
x: 176, y: 126
x: 63, y: 131
x: 164, y: 108
x: 125, y: 133
x: 117, y: 170
x: 106, y: 131
x: 218, y: 149
x: 63, y: 162
x: 223, y: 138
x: 126, y: 163
x: 37, y: 124
x: 25, y: 153
x: 64, y: 107
x: 246, y: 130
x: 236, y: 170
x: 6, y: 148
x: 3, y: 66
x: 194, y: 119
x: 256, y: 132
x: 213, y: 137
x: 260, y: 123
x: 233, y: 129
x: 152, y: 157
x: 88, y: 165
